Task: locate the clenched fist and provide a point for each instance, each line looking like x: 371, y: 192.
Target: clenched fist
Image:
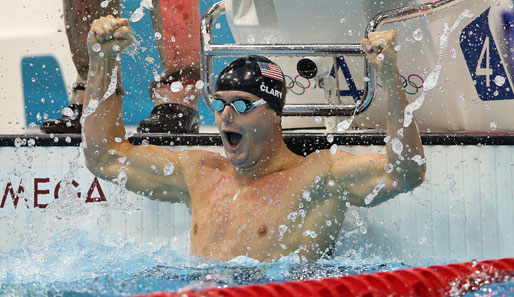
x: 380, y: 50
x: 108, y: 37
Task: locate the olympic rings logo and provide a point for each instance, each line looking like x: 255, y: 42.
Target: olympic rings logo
x: 295, y: 83
x: 411, y: 85
x: 406, y: 82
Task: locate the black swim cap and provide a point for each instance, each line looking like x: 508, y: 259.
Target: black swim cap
x: 256, y: 75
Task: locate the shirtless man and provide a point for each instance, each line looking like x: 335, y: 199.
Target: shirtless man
x: 261, y: 200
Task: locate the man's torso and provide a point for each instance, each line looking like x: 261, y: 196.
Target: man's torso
x: 279, y: 213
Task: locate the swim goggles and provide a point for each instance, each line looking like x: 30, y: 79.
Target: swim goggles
x: 239, y: 105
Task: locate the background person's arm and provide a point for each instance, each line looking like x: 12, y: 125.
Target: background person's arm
x: 371, y: 179
x: 149, y: 170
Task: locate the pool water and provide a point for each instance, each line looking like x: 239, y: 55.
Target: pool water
x: 72, y: 263
x: 494, y: 290
x: 77, y: 263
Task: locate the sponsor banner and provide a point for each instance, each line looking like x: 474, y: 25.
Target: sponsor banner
x: 29, y: 180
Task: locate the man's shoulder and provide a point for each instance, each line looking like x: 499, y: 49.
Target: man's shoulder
x: 327, y: 155
x: 203, y: 158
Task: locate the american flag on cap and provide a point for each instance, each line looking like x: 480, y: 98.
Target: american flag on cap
x: 270, y: 70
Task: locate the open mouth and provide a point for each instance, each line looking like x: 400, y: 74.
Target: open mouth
x: 233, y: 138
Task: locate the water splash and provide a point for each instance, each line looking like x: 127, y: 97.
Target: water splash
x: 169, y: 168
x: 105, y: 3
x: 199, y: 84
x: 345, y: 125
x: 371, y: 196
x: 397, y: 147
x: 499, y: 80
x: 306, y: 195
x: 432, y: 78
x: 176, y: 86
x: 282, y: 229
x: 417, y: 34
x: 419, y: 160
x: 139, y: 13
x: 333, y: 149
x: 310, y: 234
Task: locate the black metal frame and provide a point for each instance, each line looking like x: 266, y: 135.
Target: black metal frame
x: 299, y: 143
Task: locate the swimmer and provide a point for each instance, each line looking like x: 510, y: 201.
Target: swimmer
x: 261, y: 200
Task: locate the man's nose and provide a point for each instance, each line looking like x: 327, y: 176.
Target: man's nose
x: 227, y: 114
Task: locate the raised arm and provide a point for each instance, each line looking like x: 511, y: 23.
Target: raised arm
x: 371, y: 179
x: 145, y: 169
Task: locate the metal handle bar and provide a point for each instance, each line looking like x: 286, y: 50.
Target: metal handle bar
x: 406, y: 13
x: 208, y: 50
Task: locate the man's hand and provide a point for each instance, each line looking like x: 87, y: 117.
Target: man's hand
x: 380, y: 50
x: 108, y: 37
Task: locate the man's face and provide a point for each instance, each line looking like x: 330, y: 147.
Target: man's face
x: 247, y: 137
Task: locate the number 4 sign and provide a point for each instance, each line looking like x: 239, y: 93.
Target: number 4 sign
x: 483, y: 60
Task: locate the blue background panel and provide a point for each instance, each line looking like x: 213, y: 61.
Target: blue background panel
x: 483, y: 60
x: 43, y: 88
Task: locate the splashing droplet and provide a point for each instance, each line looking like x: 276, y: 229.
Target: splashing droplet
x: 18, y: 142
x: 344, y: 125
x: 417, y: 34
x: 310, y: 233
x: 281, y: 230
x: 333, y: 149
x: 397, y: 147
x: 199, y: 84
x: 499, y: 80
x: 67, y: 112
x: 137, y: 15
x: 292, y: 216
x: 96, y: 47
x: 330, y: 138
x: 419, y: 160
x: 105, y: 3
x: 369, y: 198
x: 168, y: 169
x: 176, y: 86
x: 388, y: 167
x: 306, y: 195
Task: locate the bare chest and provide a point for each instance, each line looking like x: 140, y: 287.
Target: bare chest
x: 262, y: 220
x: 234, y: 221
